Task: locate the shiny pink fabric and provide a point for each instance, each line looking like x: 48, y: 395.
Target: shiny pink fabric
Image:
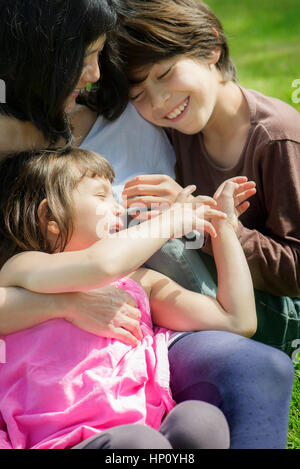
x: 61, y: 385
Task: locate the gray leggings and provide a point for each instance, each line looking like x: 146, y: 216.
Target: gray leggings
x: 191, y: 424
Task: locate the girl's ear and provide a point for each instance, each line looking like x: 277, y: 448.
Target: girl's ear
x: 48, y: 224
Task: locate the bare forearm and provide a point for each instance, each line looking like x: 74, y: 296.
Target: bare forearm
x: 235, y: 288
x: 21, y: 309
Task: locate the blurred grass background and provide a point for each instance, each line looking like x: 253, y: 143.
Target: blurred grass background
x: 264, y: 41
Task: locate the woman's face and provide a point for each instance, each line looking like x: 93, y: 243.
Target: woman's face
x: 180, y: 93
x: 90, y: 72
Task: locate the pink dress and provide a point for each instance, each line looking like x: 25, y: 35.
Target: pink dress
x: 61, y: 385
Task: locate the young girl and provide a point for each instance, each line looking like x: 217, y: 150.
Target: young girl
x: 61, y: 385
x: 182, y: 78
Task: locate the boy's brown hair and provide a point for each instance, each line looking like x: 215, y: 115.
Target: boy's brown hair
x: 154, y: 30
x: 27, y: 179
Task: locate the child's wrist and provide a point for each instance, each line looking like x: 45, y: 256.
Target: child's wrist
x: 226, y: 224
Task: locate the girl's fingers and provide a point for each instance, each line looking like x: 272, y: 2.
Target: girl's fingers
x: 206, y: 200
x: 206, y: 226
x: 207, y: 213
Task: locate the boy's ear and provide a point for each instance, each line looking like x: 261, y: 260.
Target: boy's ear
x: 215, y: 56
x: 46, y: 219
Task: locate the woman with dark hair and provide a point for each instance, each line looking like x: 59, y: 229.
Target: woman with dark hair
x: 48, y: 54
x: 204, y: 366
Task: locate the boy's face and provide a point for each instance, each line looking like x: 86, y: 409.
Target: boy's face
x: 96, y: 213
x: 180, y: 93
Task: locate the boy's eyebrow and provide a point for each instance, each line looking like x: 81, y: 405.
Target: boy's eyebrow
x: 138, y: 81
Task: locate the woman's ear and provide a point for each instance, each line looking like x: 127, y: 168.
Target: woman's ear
x: 47, y: 223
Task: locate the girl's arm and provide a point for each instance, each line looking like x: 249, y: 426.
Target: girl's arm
x: 234, y: 308
x: 106, y: 260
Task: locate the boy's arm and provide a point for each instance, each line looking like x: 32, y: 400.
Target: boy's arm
x: 273, y: 250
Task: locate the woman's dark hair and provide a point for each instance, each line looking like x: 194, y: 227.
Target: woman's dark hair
x: 43, y: 43
x: 27, y: 179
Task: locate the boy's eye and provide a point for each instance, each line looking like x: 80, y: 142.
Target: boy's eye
x: 165, y: 73
x: 136, y: 96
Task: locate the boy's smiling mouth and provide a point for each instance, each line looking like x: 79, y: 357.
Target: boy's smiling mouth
x: 178, y: 111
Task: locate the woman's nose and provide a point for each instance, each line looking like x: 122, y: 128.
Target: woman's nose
x: 91, y: 74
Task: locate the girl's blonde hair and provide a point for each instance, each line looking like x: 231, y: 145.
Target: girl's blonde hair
x: 154, y: 30
x: 26, y: 180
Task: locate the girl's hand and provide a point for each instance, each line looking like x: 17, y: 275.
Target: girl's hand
x: 187, y: 215
x: 107, y: 312
x: 231, y: 198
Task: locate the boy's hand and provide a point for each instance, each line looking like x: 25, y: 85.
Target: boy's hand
x: 231, y: 198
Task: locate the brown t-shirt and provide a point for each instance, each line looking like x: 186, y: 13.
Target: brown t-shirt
x: 269, y: 230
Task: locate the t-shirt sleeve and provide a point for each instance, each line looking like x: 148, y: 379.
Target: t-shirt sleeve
x: 274, y: 254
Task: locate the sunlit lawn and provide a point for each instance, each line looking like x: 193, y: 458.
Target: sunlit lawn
x: 264, y: 39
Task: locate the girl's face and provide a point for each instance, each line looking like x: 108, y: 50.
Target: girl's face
x: 180, y: 92
x: 96, y: 213
x: 90, y: 72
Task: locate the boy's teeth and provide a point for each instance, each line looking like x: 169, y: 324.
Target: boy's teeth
x: 178, y: 111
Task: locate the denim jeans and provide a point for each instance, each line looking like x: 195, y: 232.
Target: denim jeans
x: 278, y: 316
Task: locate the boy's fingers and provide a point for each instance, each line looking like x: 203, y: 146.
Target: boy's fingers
x: 238, y: 199
x: 242, y: 208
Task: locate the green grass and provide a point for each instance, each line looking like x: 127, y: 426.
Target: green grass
x: 294, y: 422
x: 264, y: 40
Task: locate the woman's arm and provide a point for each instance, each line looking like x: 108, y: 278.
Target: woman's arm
x: 107, y: 312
